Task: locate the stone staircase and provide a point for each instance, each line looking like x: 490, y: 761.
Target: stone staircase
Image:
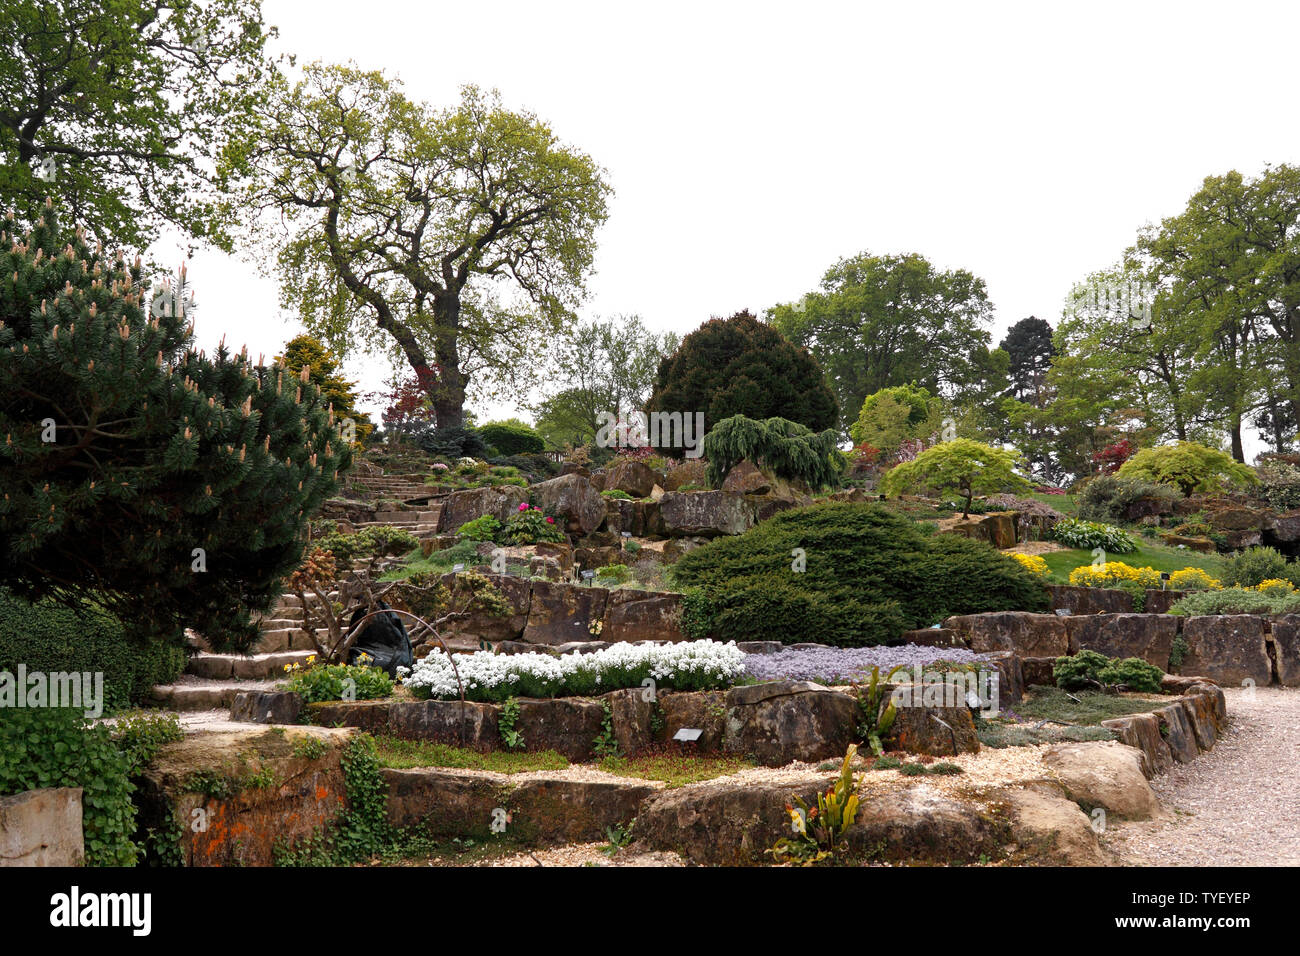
x: 211, y: 680
x: 422, y: 523
x: 401, y: 487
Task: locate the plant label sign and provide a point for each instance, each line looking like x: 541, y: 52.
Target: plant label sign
x: 688, y: 734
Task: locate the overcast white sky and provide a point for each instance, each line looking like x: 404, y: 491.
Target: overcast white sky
x: 751, y: 145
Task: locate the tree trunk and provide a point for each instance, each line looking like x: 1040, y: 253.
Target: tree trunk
x: 448, y: 394
x: 1238, y: 451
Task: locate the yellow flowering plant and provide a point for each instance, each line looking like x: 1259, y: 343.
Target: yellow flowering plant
x: 1194, y: 579
x: 1275, y: 587
x: 1113, y: 574
x: 1032, y: 563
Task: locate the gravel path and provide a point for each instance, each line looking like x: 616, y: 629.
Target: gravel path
x: 1234, y: 806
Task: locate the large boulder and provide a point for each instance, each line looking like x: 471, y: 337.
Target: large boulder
x: 266, y: 707
x: 567, y: 725
x: 705, y: 513
x: 631, y: 712
x: 922, y: 823
x: 1229, y: 648
x: 466, y: 724
x: 1283, y: 528
x: 704, y: 710
x: 633, y: 477
x: 1000, y: 529
x: 1050, y: 829
x: 1028, y: 634
x: 560, y: 613
x: 1105, y: 774
x: 642, y: 616
x: 482, y: 626
x: 1176, y: 729
x: 746, y: 478
x: 573, y: 498
x: 1142, y: 733
x: 917, y: 728
x: 462, y: 506
x: 1148, y: 636
x: 1237, y: 518
x: 42, y: 828
x: 721, y: 822
x: 782, y: 721
x: 689, y: 471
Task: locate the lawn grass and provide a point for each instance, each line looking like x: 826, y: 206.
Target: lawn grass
x: 1090, y: 709
x: 1149, y: 554
x: 405, y: 754
x: 1065, y: 504
x: 675, y: 770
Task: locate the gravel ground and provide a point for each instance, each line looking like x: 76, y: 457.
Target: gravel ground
x: 1234, y: 806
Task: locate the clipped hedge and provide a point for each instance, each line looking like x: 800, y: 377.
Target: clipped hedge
x: 49, y: 636
x: 512, y: 438
x: 869, y: 574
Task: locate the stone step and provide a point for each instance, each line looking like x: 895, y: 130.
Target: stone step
x: 240, y: 667
x: 204, y: 694
x: 287, y: 639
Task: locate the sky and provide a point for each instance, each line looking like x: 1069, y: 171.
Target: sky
x: 752, y: 145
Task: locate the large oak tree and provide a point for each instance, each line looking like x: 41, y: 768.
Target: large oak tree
x: 456, y: 238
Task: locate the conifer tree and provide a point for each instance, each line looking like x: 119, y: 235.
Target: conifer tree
x: 324, y: 372
x: 170, y: 486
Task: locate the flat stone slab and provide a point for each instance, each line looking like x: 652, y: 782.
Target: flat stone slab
x: 42, y: 828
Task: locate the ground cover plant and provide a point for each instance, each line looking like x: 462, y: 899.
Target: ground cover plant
x: 401, y: 754
x: 844, y: 665
x: 868, y: 574
x: 1081, y: 707
x: 674, y: 767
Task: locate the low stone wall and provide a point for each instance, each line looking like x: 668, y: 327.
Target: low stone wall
x: 538, y: 809
x: 1180, y: 731
x: 1228, y: 649
x: 42, y: 828
x: 772, y: 723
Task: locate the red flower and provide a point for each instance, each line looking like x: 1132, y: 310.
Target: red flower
x: 550, y: 521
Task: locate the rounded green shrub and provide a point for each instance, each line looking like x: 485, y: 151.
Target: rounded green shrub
x: 512, y: 437
x: 1110, y: 498
x: 1089, y: 667
x: 867, y: 575
x: 1254, y: 566
x: 482, y: 528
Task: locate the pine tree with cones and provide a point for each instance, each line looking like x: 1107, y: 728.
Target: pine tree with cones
x: 171, y: 487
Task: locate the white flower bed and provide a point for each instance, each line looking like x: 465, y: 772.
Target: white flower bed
x: 694, y: 665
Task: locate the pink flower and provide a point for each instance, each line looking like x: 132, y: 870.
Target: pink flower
x: 550, y: 521
x: 523, y: 506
